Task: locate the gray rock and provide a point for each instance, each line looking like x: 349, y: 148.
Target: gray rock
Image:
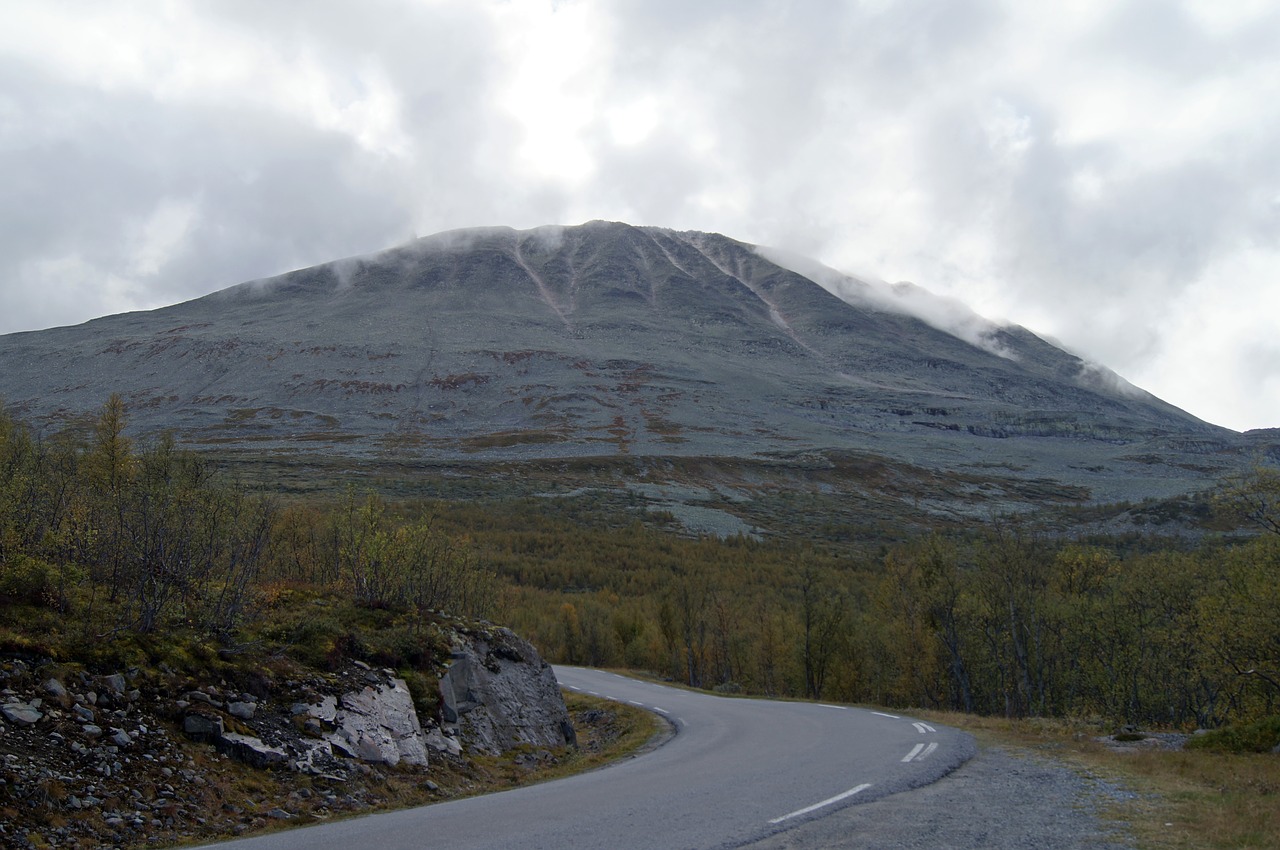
x: 369, y: 749
x: 55, y: 689
x: 21, y: 713
x: 200, y: 727
x: 250, y: 750
x: 243, y: 710
x: 121, y: 738
x: 91, y: 731
x: 441, y: 744
x: 317, y: 758
x: 380, y: 724
x: 502, y: 694
x: 326, y: 711
x: 83, y: 713
x: 115, y: 683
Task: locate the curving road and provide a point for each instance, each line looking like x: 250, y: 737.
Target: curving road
x: 735, y: 771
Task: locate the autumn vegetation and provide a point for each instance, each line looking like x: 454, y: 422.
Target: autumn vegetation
x: 102, y: 538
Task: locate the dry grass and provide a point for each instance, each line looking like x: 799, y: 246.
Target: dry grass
x: 1184, y: 798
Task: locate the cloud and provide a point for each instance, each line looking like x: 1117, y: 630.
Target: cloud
x: 1088, y: 171
x: 903, y: 298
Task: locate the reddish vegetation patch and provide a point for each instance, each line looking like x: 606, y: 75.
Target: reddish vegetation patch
x: 354, y: 386
x: 457, y: 382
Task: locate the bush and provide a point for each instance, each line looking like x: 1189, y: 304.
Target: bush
x: 309, y: 636
x: 29, y: 581
x: 423, y: 689
x: 1262, y: 736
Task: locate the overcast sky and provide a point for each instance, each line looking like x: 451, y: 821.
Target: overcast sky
x: 1104, y: 173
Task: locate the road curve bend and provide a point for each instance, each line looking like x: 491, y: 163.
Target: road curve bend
x: 735, y: 771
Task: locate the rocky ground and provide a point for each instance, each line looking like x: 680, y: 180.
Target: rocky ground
x: 153, y: 758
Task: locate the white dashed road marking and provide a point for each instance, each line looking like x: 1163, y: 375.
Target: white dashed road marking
x: 920, y: 752
x: 837, y: 798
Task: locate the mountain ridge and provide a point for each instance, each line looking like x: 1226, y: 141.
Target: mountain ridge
x: 604, y: 338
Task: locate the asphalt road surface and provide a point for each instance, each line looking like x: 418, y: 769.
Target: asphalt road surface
x: 735, y: 772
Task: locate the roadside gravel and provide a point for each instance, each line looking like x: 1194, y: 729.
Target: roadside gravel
x: 1002, y: 798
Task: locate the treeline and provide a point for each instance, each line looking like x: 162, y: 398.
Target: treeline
x: 144, y: 538
x: 1002, y: 621
x: 999, y: 622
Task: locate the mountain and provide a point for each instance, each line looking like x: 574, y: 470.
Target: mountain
x: 607, y: 339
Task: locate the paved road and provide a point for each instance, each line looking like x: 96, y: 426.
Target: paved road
x: 736, y: 771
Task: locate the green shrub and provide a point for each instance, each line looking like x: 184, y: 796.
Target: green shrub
x: 1261, y: 736
x: 424, y: 689
x: 29, y: 581
x: 310, y: 637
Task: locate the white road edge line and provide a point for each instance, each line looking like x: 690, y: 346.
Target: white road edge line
x: 920, y: 728
x: 927, y: 750
x: 928, y: 728
x: 882, y: 714
x: 840, y: 707
x: 837, y: 798
x: 914, y: 752
x: 660, y: 710
x: 633, y: 702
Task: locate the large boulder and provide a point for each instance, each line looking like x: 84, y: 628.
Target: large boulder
x: 21, y: 713
x: 501, y: 694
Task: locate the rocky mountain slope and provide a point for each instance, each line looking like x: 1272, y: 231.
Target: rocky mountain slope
x: 606, y: 339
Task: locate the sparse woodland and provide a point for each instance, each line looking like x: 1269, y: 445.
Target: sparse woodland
x: 102, y: 539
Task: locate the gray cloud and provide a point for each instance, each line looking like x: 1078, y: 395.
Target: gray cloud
x: 1101, y: 173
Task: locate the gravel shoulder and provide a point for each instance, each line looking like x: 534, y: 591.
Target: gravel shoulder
x: 1002, y: 798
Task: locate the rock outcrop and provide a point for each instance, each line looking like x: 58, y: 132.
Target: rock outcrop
x: 73, y: 741
x: 497, y: 694
x: 377, y: 724
x: 501, y: 694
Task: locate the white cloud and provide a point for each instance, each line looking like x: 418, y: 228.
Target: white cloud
x: 162, y: 235
x: 1103, y: 172
x: 903, y: 298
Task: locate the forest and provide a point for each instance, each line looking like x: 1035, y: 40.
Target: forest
x: 102, y: 538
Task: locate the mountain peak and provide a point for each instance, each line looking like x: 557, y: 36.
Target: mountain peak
x: 600, y: 338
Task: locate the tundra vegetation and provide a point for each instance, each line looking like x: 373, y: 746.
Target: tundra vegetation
x: 107, y: 541
x: 128, y: 539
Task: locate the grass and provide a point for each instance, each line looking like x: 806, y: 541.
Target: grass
x: 1191, y: 798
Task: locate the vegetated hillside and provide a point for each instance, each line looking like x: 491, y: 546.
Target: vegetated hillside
x: 498, y: 345
x: 142, y: 551
x: 156, y: 621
